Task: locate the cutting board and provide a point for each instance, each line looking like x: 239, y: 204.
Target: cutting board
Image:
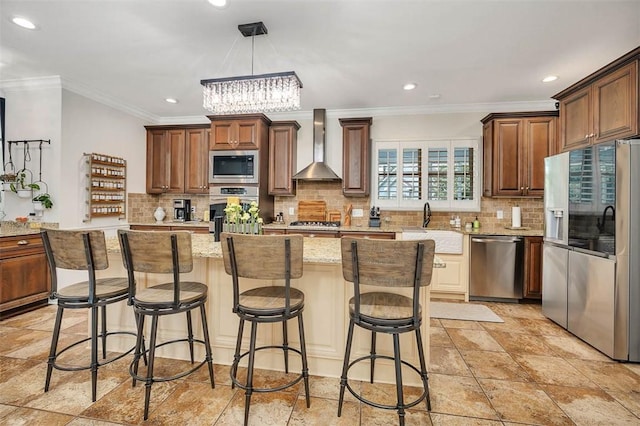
x: 333, y: 216
x: 312, y: 210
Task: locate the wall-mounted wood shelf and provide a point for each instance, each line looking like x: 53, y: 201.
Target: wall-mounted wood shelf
x: 106, y: 186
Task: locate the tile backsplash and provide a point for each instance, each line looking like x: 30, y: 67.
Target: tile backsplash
x: 140, y: 207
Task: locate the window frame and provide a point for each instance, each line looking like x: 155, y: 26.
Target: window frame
x: 410, y: 205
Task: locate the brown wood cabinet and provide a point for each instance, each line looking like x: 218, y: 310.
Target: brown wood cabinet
x: 533, y: 267
x: 372, y: 235
x: 239, y: 132
x: 332, y: 233
x: 25, y: 282
x: 177, y: 159
x: 283, y: 142
x: 602, y: 106
x: 515, y: 145
x: 356, y: 156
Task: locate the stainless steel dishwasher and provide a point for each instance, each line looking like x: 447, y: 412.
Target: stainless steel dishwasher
x: 496, y: 271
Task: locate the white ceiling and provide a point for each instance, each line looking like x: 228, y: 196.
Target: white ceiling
x: 349, y: 54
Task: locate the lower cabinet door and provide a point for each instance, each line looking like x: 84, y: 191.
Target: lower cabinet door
x: 24, y: 280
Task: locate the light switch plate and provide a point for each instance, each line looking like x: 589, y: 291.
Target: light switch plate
x: 292, y: 210
x: 357, y: 213
x: 500, y: 214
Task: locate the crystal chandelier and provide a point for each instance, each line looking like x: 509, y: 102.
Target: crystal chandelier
x: 253, y: 93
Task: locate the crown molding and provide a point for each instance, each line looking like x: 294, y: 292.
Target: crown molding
x: 36, y: 83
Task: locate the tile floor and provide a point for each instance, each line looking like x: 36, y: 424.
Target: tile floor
x: 526, y: 370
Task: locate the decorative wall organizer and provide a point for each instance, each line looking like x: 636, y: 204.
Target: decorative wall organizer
x: 106, y: 186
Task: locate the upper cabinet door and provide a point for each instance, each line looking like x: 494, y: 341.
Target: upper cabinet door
x: 356, y: 156
x: 197, y: 161
x: 176, y: 140
x: 507, y: 157
x: 239, y: 132
x: 615, y: 98
x: 576, y: 120
x: 157, y: 162
x: 283, y: 141
x: 540, y: 143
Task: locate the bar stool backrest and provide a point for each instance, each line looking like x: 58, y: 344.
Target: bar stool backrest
x: 68, y: 250
x: 262, y: 256
x: 388, y: 263
x: 156, y: 252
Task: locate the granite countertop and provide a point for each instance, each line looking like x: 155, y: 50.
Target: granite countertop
x: 194, y: 224
x: 11, y: 228
x: 316, y: 250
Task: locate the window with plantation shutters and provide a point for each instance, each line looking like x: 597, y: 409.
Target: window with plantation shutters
x: 442, y: 172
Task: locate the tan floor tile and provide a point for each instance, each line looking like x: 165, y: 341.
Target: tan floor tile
x: 523, y: 402
x: 633, y: 366
x: 26, y: 320
x: 434, y: 322
x: 439, y: 337
x: 6, y: 409
x: 590, y: 406
x: 268, y: 379
x: 510, y: 325
x: 542, y: 327
x: 521, y: 343
x: 125, y: 404
x: 517, y: 310
x: 26, y: 385
x: 18, y: 339
x: 28, y: 416
x: 448, y: 420
x: 192, y: 404
x: 273, y: 408
x: 324, y: 412
x: 371, y: 416
x: 329, y: 388
x: 447, y: 361
x: 469, y: 325
x: 553, y: 371
x: 571, y: 347
x: 461, y: 396
x: 81, y: 421
x: 474, y: 340
x: 630, y: 400
x: 10, y: 367
x: 494, y: 365
x: 611, y: 376
x: 385, y: 393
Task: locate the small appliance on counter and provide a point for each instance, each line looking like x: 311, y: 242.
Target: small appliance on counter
x: 374, y: 217
x: 181, y: 210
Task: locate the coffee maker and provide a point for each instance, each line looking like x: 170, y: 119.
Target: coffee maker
x: 181, y: 210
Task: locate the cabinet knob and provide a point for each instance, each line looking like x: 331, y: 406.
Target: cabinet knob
x: 586, y: 136
x: 522, y: 188
x: 23, y: 242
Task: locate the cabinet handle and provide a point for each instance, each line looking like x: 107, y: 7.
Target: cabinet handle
x: 23, y: 242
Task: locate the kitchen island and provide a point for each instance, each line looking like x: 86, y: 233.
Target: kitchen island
x: 326, y: 314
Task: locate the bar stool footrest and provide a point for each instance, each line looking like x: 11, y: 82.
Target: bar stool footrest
x: 100, y: 364
x: 234, y: 368
x: 383, y: 406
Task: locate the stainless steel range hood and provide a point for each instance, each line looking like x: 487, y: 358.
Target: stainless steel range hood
x: 318, y: 170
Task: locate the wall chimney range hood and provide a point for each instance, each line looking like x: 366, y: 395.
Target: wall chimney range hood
x: 318, y: 170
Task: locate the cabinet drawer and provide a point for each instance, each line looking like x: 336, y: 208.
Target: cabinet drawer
x: 20, y: 245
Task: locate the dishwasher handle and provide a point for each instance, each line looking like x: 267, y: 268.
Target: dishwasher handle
x: 496, y: 240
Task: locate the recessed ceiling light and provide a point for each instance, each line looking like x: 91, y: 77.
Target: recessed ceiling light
x: 549, y: 78
x: 171, y: 100
x: 409, y: 86
x: 23, y: 22
x: 218, y: 3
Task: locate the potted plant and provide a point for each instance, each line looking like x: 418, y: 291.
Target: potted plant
x: 42, y: 201
x: 7, y: 178
x: 22, y: 188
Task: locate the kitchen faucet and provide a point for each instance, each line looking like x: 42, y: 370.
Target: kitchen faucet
x: 426, y: 215
x: 600, y: 225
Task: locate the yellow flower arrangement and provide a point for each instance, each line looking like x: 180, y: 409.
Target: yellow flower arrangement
x: 244, y: 221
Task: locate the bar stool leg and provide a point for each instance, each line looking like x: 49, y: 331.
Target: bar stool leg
x: 54, y: 347
x: 423, y: 368
x: 373, y: 355
x: 398, y: 365
x: 249, y: 391
x: 305, y: 367
x: 139, y: 348
x: 236, y: 356
x: 285, y: 346
x: 104, y: 331
x: 190, y: 334
x: 152, y: 353
x: 94, y: 352
x: 207, y: 344
x: 345, y: 366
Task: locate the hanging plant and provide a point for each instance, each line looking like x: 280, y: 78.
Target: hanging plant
x: 21, y: 187
x: 44, y: 199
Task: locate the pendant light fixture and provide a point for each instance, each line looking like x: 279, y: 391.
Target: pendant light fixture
x: 253, y: 93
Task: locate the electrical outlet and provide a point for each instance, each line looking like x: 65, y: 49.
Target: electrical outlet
x: 193, y: 209
x: 500, y: 214
x: 357, y: 213
x: 292, y: 210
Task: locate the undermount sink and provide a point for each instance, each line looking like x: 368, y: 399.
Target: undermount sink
x: 449, y: 242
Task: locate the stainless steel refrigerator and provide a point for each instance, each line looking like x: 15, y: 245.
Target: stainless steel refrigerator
x: 591, y: 255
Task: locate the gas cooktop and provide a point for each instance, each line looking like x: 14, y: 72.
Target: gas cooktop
x: 324, y: 224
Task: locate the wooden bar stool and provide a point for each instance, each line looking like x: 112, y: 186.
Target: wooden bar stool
x: 85, y: 251
x: 393, y: 264
x: 265, y: 257
x: 156, y: 252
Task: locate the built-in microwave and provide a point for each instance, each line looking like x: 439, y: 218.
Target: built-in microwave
x: 233, y: 167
